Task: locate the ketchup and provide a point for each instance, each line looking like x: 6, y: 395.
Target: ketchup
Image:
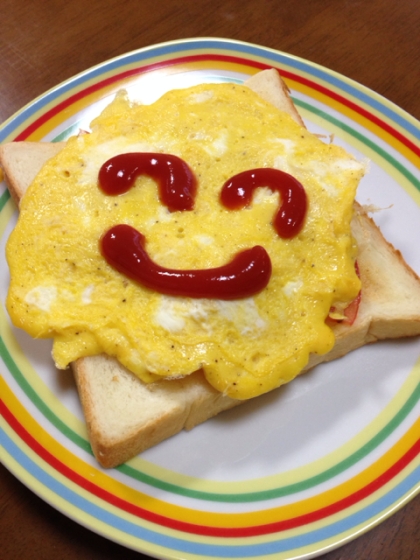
x: 176, y: 182
x: 237, y: 193
x: 245, y: 275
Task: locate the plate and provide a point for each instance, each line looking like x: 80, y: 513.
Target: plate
x: 294, y: 473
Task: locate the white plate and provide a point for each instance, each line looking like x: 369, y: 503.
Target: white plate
x: 294, y: 473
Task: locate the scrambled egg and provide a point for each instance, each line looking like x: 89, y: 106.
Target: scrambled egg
x: 62, y: 288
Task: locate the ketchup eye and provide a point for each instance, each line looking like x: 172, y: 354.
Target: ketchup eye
x: 237, y: 193
x: 176, y: 182
x: 248, y: 273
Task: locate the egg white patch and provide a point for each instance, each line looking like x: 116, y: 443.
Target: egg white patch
x: 203, y: 240
x: 42, y: 297
x: 201, y: 97
x: 175, y: 314
x: 292, y: 287
x: 219, y: 145
x: 87, y: 294
x: 168, y: 317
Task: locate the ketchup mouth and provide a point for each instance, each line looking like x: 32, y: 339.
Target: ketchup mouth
x: 246, y: 274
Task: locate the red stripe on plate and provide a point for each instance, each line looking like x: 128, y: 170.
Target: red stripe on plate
x: 121, y: 76
x: 227, y: 532
x: 225, y: 58
x: 356, y: 108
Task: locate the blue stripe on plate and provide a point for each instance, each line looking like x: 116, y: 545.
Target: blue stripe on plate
x: 368, y: 513
x: 347, y: 86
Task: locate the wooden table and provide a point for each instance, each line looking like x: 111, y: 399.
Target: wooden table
x: 43, y: 42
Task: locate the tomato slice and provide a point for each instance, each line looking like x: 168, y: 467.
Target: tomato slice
x: 351, y: 311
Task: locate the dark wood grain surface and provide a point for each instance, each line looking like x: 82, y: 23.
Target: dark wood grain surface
x: 43, y: 42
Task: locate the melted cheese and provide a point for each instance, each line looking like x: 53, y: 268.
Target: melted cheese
x: 62, y: 288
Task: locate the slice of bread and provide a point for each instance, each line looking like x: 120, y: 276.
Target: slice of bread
x: 21, y: 162
x: 125, y: 416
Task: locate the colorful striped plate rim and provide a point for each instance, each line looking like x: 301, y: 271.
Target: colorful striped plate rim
x: 294, y: 474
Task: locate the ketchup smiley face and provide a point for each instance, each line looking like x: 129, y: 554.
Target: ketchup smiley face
x: 248, y: 273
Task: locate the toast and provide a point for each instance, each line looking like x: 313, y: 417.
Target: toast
x: 119, y: 424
